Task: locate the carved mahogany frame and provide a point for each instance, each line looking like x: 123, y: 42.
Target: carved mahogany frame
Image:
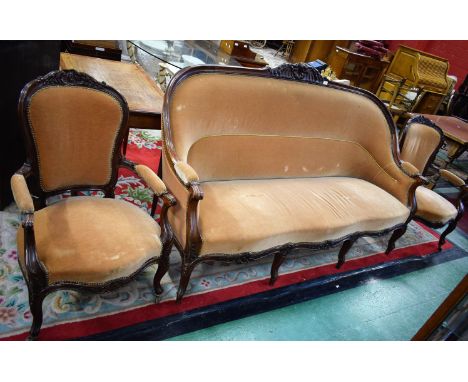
x: 290, y: 72
x: 34, y: 271
x: 452, y: 223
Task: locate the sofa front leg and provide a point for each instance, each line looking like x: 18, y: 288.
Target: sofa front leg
x: 347, y: 244
x: 277, y: 261
x: 399, y: 232
x: 185, y: 274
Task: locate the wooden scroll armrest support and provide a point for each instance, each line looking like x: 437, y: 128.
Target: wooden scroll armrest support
x: 35, y: 269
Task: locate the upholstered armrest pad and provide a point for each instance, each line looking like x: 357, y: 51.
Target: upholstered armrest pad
x: 151, y: 179
x: 21, y: 193
x: 409, y: 168
x: 186, y: 172
x: 452, y: 178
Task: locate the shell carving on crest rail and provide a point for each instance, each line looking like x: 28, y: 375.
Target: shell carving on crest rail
x: 298, y: 72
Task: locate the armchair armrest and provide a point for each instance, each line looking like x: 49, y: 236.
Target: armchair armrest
x: 186, y: 173
x: 152, y: 180
x: 21, y: 194
x: 451, y: 178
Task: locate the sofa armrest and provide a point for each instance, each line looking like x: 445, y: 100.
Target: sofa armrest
x: 186, y: 173
x: 413, y: 172
x: 21, y: 193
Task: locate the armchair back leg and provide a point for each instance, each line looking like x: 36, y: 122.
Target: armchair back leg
x: 399, y: 232
x: 163, y: 267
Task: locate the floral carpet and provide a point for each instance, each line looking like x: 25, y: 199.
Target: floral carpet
x: 70, y: 314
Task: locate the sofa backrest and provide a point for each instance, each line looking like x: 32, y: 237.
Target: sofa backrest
x: 247, y: 124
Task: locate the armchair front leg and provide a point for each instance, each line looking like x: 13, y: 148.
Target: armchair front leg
x: 459, y: 202
x: 34, y: 271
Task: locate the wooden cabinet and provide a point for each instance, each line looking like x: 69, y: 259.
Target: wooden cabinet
x: 311, y: 50
x: 362, y: 71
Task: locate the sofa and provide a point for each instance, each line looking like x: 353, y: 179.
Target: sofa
x: 265, y: 161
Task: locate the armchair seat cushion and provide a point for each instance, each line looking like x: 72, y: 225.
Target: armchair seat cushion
x: 92, y: 239
x: 434, y: 208
x: 253, y: 215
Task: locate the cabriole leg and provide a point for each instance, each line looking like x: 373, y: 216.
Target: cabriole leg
x: 395, y: 236
x: 184, y: 280
x: 35, y: 305
x: 163, y: 267
x: 277, y: 261
x: 444, y: 234
x: 347, y: 244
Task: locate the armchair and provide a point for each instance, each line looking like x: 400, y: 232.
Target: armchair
x: 421, y: 140
x: 74, y: 127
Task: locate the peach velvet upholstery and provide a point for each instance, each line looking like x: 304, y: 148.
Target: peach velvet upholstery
x: 253, y: 215
x: 75, y: 131
x: 151, y: 179
x: 279, y: 161
x: 246, y: 127
x: 21, y: 193
x: 433, y: 208
x: 419, y: 144
x: 92, y: 239
x: 452, y: 178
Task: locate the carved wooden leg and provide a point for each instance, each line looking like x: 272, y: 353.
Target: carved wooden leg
x: 395, y: 236
x: 163, y: 266
x: 154, y: 205
x: 347, y: 244
x: 184, y: 280
x: 35, y: 305
x: 444, y: 234
x: 277, y: 261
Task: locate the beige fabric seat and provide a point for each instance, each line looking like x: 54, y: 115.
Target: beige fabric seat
x: 92, y: 239
x: 253, y: 215
x: 434, y: 208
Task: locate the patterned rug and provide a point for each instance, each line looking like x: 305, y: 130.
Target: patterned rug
x: 70, y: 315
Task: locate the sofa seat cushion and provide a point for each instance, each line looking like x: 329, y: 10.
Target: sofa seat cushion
x: 433, y: 208
x: 253, y: 215
x: 92, y: 239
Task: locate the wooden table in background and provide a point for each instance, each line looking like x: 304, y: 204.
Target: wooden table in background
x: 144, y: 97
x: 455, y: 131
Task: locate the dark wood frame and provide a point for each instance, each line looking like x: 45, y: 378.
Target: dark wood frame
x: 290, y: 72
x: 452, y: 224
x: 34, y: 272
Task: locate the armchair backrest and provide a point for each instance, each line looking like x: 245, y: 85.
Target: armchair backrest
x: 74, y: 127
x: 421, y: 139
x: 239, y: 123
